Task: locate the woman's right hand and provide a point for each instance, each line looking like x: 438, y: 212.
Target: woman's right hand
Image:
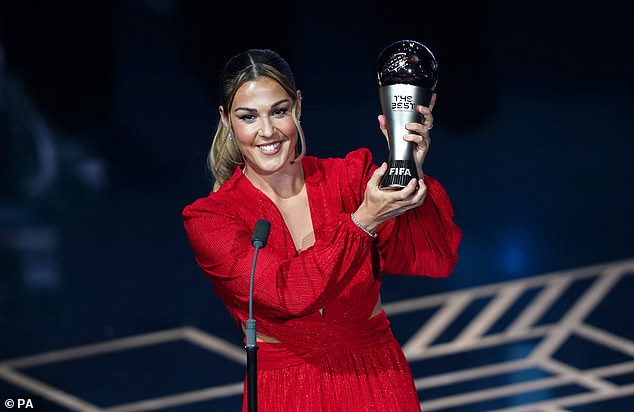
x: 381, y: 205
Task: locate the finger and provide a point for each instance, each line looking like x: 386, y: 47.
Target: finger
x: 416, y: 197
x: 428, y: 118
x: 421, y: 193
x: 375, y: 179
x: 429, y: 121
x: 382, y: 122
x: 416, y: 129
x: 414, y: 138
x: 422, y: 141
x: 383, y: 126
x: 406, y: 193
x: 432, y: 101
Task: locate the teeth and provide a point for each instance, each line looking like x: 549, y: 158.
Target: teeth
x: 270, y: 147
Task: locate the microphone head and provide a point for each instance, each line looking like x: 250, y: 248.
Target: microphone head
x: 407, y: 62
x: 261, y: 233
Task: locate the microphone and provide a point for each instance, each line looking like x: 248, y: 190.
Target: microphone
x: 407, y: 74
x: 261, y: 233
x: 258, y: 240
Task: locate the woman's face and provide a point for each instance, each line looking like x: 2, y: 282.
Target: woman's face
x: 263, y: 126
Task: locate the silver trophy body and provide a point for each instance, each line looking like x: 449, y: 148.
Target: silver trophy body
x: 407, y: 74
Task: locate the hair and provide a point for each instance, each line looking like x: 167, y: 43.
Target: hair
x: 250, y: 65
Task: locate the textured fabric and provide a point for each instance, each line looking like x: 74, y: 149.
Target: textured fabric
x: 341, y: 359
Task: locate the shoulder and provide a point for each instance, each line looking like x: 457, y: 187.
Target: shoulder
x: 343, y: 177
x: 210, y: 219
x: 361, y: 155
x: 360, y: 158
x: 220, y: 202
x: 357, y: 160
x: 359, y: 165
x: 214, y: 205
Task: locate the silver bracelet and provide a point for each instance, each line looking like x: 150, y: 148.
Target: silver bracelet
x: 356, y: 222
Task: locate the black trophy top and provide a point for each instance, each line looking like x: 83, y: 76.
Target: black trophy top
x: 407, y: 62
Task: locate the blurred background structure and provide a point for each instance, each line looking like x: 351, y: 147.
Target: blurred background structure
x: 106, y: 114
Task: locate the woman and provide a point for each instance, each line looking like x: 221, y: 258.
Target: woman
x: 325, y: 342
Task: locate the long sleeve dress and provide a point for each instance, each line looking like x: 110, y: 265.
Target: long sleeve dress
x: 332, y: 355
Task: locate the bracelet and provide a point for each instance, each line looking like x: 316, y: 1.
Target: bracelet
x: 356, y: 222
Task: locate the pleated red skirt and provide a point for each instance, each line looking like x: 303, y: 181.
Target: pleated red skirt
x: 373, y: 378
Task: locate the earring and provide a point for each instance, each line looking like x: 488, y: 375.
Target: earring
x: 229, y: 136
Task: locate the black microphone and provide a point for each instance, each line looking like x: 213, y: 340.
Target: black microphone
x: 258, y: 240
x: 261, y: 233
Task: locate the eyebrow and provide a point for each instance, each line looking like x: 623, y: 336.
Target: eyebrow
x: 255, y: 110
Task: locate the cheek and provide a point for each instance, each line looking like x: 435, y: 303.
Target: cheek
x: 288, y: 128
x: 243, y: 134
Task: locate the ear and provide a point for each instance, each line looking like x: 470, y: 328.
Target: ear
x: 299, y: 104
x: 223, y: 116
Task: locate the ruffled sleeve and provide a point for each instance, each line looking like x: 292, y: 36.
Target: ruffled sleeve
x: 424, y: 240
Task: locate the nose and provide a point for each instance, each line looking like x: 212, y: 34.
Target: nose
x: 267, y: 130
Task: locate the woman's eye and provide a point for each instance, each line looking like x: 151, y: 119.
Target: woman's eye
x: 247, y: 118
x: 281, y: 112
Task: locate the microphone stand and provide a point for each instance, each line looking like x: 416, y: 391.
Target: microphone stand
x: 251, y: 346
x: 260, y: 236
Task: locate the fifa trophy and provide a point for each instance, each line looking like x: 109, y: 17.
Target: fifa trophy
x: 407, y: 74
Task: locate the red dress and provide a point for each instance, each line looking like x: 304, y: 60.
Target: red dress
x: 341, y: 360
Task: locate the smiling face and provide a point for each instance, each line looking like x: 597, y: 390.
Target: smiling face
x: 263, y: 126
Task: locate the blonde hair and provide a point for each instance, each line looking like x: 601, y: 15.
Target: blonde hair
x: 224, y: 155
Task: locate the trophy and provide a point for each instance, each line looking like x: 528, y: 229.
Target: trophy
x: 407, y: 73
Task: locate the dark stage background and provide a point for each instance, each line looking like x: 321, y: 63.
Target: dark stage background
x: 107, y: 110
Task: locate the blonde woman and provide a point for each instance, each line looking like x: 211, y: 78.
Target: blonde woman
x: 325, y: 344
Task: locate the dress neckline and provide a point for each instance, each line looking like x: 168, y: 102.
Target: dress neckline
x: 310, y: 178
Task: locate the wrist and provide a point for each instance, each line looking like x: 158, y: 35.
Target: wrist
x: 363, y: 219
x: 360, y: 226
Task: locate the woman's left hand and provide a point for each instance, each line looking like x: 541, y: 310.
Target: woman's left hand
x: 420, y: 137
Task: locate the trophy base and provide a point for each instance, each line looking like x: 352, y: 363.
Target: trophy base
x: 399, y: 174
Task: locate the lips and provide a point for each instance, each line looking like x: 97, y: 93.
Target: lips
x: 270, y: 148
